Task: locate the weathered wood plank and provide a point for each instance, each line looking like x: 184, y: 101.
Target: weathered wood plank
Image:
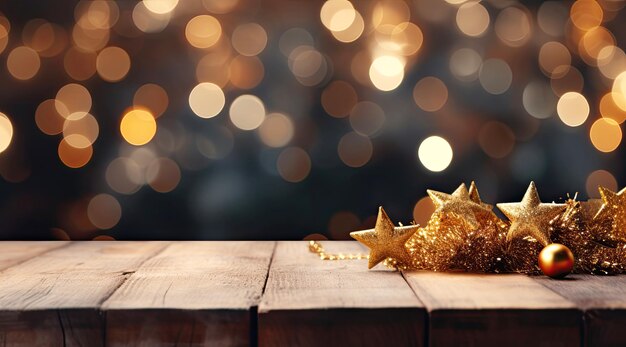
x: 53, y: 299
x: 603, y: 298
x: 494, y: 310
x: 15, y: 252
x: 311, y: 302
x: 196, y: 293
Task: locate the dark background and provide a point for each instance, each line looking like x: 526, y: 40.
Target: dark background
x: 243, y: 196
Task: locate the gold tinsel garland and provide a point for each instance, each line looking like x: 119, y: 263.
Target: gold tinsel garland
x: 464, y: 234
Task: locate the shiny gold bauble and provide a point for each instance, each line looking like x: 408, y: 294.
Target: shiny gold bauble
x: 556, y: 260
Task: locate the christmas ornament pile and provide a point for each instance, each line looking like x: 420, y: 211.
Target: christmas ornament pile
x: 464, y: 234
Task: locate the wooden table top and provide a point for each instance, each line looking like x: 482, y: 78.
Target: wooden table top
x: 239, y: 293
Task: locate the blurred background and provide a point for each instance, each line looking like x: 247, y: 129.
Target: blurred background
x: 242, y: 119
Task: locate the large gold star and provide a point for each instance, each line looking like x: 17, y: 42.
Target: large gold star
x: 614, y: 209
x: 459, y: 203
x: 530, y: 217
x: 385, y: 240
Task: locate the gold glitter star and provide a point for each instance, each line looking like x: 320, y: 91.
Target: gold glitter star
x: 459, y: 203
x: 475, y: 197
x: 385, y: 240
x: 530, y: 217
x: 613, y: 209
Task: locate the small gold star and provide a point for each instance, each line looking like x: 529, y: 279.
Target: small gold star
x: 614, y: 209
x: 385, y: 240
x: 475, y: 197
x: 459, y: 203
x: 530, y: 217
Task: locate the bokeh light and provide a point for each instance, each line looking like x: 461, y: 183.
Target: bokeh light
x: 465, y: 64
x: 423, y: 210
x: 496, y: 139
x: 138, y: 126
x: 276, y: 130
x: 387, y: 72
x: 513, y: 26
x: 495, y: 76
x: 605, y: 134
x: 104, y: 211
x: 430, y: 94
x: 74, y: 157
x: 160, y: 6
x: 72, y: 99
x: 80, y: 130
x: 472, y: 19
x: 586, y: 14
x: 293, y: 164
x: 163, y: 175
x: 599, y: 178
x: 203, y: 31
x: 573, y: 109
x: 249, y: 39
x: 23, y: 63
x: 247, y: 112
x: 246, y: 72
x: 6, y: 132
x: 48, y: 119
x: 338, y: 99
x: 367, y: 118
x: 435, y: 153
x: 152, y: 97
x: 112, y: 64
x: 206, y: 100
x: 355, y: 150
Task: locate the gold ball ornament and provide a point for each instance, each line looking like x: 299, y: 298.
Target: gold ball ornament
x: 556, y: 260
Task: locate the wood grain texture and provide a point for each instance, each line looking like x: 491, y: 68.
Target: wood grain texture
x: 311, y: 302
x: 603, y: 298
x: 494, y: 310
x: 53, y: 299
x: 15, y: 252
x: 196, y: 293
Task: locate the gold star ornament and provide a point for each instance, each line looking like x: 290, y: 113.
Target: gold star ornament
x: 613, y: 209
x: 460, y: 203
x: 530, y: 217
x: 386, y: 240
